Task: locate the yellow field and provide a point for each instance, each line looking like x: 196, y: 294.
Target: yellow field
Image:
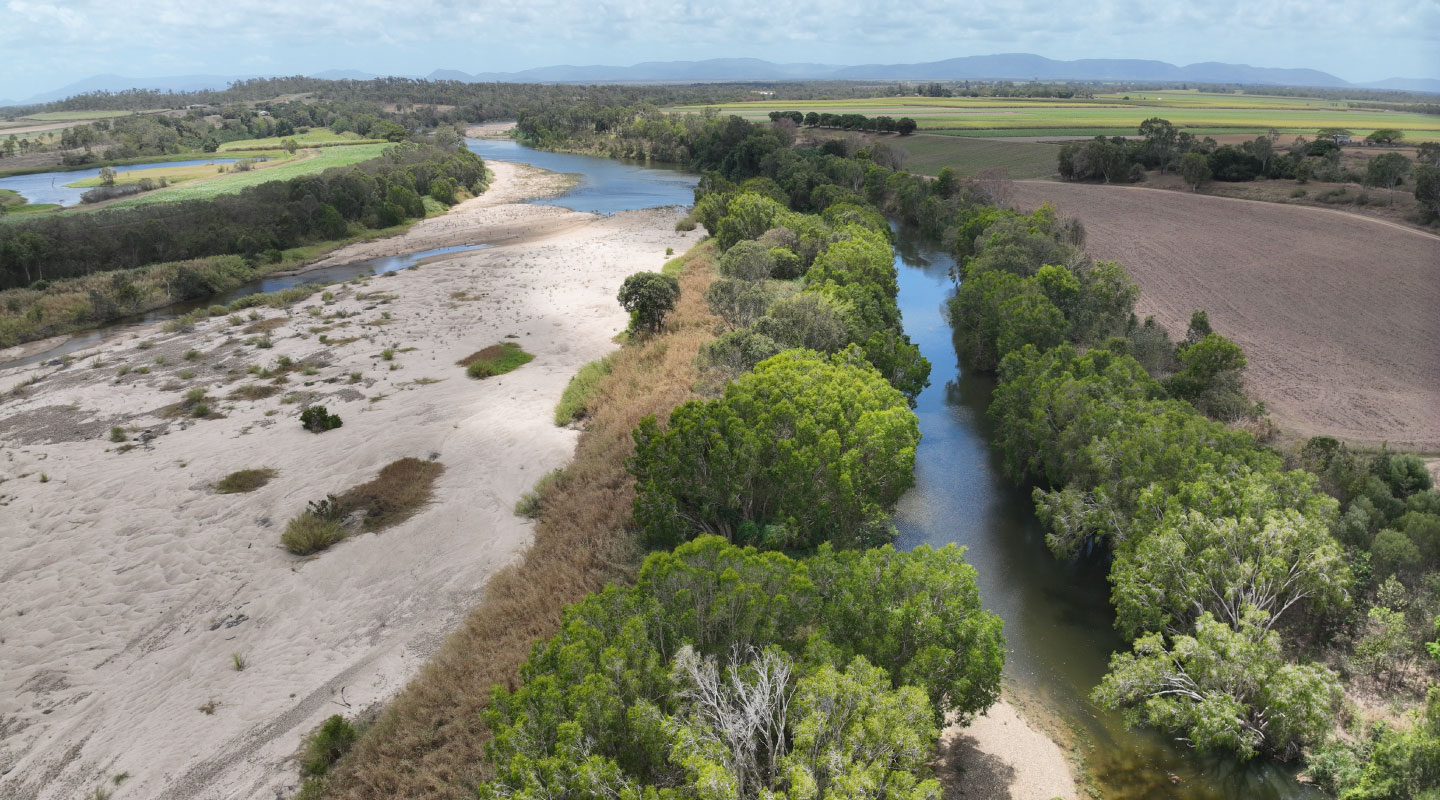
x: 316, y: 137
x: 1110, y: 114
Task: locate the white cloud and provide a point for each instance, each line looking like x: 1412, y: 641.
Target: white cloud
x: 65, y: 39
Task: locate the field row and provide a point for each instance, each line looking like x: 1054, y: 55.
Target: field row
x: 1110, y: 114
x: 232, y: 182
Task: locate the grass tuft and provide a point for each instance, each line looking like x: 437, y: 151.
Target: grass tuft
x: 497, y: 359
x: 311, y: 533
x: 245, y: 480
x: 574, y: 403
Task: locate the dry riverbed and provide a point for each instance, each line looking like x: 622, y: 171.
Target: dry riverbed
x: 131, y: 586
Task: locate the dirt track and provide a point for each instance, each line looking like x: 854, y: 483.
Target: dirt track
x: 1339, y: 315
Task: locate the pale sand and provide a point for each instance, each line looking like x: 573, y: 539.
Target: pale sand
x: 128, y: 583
x: 1001, y: 756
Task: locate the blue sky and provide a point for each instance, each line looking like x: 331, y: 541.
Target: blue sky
x: 49, y: 43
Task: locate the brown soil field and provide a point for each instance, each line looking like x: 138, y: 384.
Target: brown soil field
x: 1337, y: 313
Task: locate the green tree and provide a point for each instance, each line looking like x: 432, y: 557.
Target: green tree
x: 107, y: 176
x: 290, y: 145
x: 1159, y: 139
x: 1427, y: 191
x: 1210, y: 371
x: 1198, y: 563
x: 905, y: 126
x: 916, y: 614
x: 1222, y: 690
x: 1387, y: 170
x: 1194, y: 170
x: 649, y: 296
x: 1384, y: 648
x: 1386, y: 136
x: 804, y: 449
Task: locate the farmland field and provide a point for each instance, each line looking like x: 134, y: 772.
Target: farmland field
x: 1333, y: 309
x: 1110, y: 114
x: 316, y: 137
x: 930, y: 154
x: 232, y: 182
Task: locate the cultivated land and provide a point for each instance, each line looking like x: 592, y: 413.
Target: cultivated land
x: 230, y: 182
x: 1110, y: 115
x: 130, y: 583
x: 315, y: 137
x: 1336, y: 312
x: 966, y: 156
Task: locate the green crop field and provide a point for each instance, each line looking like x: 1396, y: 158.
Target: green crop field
x: 231, y: 182
x: 1110, y: 114
x: 315, y: 137
x: 929, y: 154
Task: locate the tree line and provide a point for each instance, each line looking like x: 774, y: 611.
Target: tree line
x: 1233, y: 568
x: 256, y: 222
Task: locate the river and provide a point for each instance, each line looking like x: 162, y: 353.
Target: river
x: 603, y: 186
x: 1058, y: 622
x: 50, y: 187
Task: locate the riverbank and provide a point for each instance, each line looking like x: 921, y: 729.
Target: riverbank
x: 1004, y: 755
x: 132, y: 586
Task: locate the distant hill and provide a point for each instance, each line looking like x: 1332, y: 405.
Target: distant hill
x: 1004, y: 66
x: 1430, y: 85
x: 172, y: 83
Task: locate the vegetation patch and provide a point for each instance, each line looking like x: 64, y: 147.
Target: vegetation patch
x: 245, y: 480
x: 497, y: 359
x: 312, y: 532
x: 400, y: 490
x: 254, y: 391
x: 265, y: 325
x: 574, y: 403
x: 318, y: 419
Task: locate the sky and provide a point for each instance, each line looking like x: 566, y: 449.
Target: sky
x: 50, y: 43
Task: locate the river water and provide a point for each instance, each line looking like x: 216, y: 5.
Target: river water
x: 49, y: 187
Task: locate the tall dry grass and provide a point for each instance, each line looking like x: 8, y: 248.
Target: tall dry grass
x: 430, y: 740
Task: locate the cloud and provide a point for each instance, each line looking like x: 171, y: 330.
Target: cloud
x: 68, y: 39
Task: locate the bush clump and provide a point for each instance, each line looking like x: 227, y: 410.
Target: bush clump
x: 327, y: 744
x: 318, y: 419
x: 311, y: 532
x: 497, y: 359
x: 648, y: 296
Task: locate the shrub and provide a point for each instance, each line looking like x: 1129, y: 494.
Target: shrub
x: 117, y: 434
x: 327, y: 744
x: 245, y: 480
x: 497, y: 359
x: 648, y: 296
x: 317, y: 419
x: 311, y: 533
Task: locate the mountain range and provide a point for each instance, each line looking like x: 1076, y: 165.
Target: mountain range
x: 1005, y: 66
